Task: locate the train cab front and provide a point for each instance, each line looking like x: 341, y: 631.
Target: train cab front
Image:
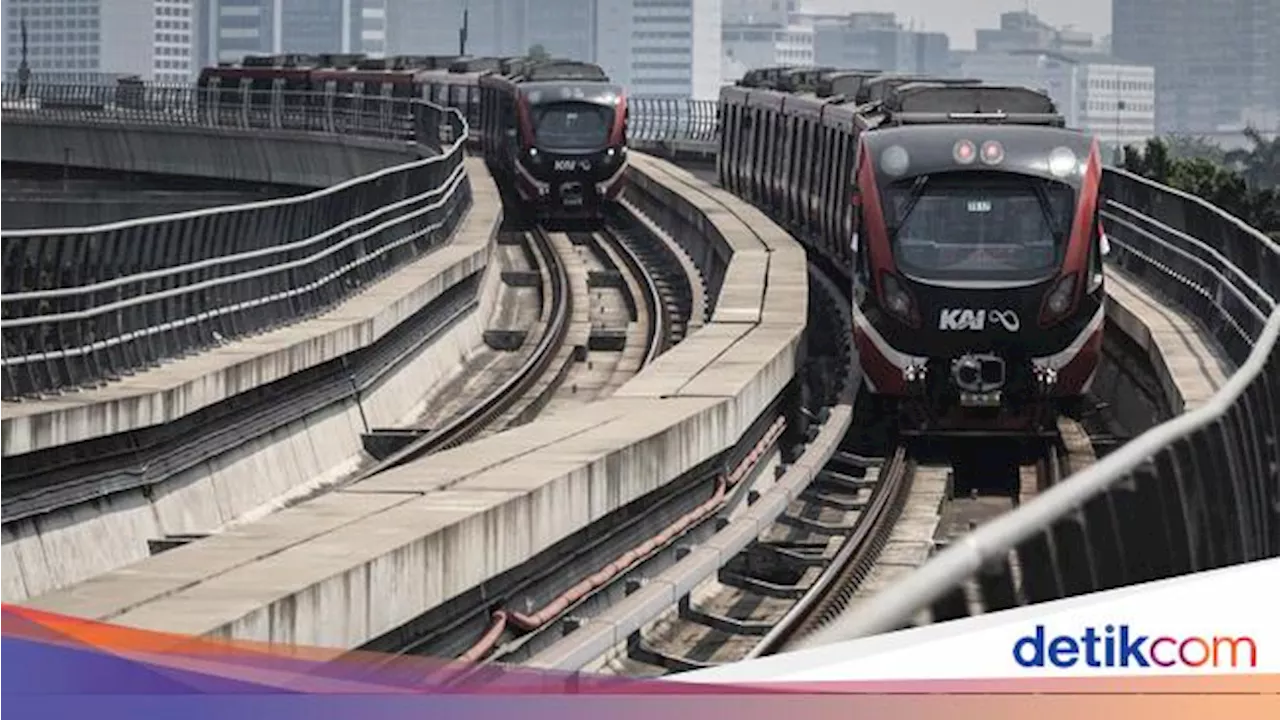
x: 574, y: 163
x: 978, y: 291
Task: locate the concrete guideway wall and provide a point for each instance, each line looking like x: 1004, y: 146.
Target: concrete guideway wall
x: 54, y: 550
x: 279, y: 157
x: 180, y: 387
x: 415, y: 536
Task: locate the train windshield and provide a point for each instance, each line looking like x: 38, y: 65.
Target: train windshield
x: 572, y: 125
x: 978, y: 226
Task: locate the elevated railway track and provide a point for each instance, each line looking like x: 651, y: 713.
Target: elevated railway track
x: 825, y: 531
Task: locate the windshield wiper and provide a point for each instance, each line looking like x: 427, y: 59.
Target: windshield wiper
x: 917, y: 192
x: 1047, y: 207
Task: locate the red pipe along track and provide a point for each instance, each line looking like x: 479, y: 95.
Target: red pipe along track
x: 502, y: 618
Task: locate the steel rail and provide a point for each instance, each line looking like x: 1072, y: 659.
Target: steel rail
x: 481, y: 414
x: 658, y: 332
x: 834, y: 588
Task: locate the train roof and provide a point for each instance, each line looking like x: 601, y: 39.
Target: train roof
x: 600, y: 93
x: 564, y: 70
x: 475, y: 65
x: 764, y: 77
x: 404, y: 63
x: 879, y: 88
x: 1051, y: 153
x: 288, y: 60
x: 932, y: 103
x: 803, y: 79
x: 844, y: 83
x: 426, y: 62
x: 936, y: 97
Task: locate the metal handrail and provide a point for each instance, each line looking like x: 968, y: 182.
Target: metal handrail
x: 1266, y: 242
x: 227, y: 108
x: 201, y: 277
x: 1238, y: 275
x: 455, y: 179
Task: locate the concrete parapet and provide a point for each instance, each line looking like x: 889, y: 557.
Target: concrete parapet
x: 262, y: 156
x: 182, y: 386
x: 54, y: 550
x: 428, y: 531
x: 1187, y: 361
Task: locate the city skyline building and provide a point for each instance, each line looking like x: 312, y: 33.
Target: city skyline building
x: 231, y: 29
x: 94, y: 40
x: 1217, y: 64
x: 877, y: 41
x: 748, y: 46
x: 667, y: 48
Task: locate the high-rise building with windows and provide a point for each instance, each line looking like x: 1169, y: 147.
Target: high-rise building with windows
x: 231, y: 29
x: 92, y: 40
x: 758, y: 12
x: 653, y: 47
x: 876, y: 41
x: 1217, y: 63
x: 751, y: 46
x: 668, y: 48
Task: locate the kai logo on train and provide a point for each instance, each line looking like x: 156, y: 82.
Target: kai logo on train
x: 570, y: 165
x: 977, y: 320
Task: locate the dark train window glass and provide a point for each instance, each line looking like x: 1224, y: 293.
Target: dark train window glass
x: 572, y: 125
x: 965, y: 226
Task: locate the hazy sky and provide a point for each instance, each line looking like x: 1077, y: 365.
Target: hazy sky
x: 959, y: 18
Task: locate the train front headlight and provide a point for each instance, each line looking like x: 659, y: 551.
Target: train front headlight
x: 897, y: 300
x: 1059, y: 300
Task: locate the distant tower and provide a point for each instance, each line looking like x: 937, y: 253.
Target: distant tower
x: 462, y: 33
x: 24, y: 71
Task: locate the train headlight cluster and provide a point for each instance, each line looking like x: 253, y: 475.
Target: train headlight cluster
x: 1058, y: 301
x: 1062, y: 162
x: 897, y: 300
x: 895, y: 161
x: 992, y: 152
x: 965, y: 152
